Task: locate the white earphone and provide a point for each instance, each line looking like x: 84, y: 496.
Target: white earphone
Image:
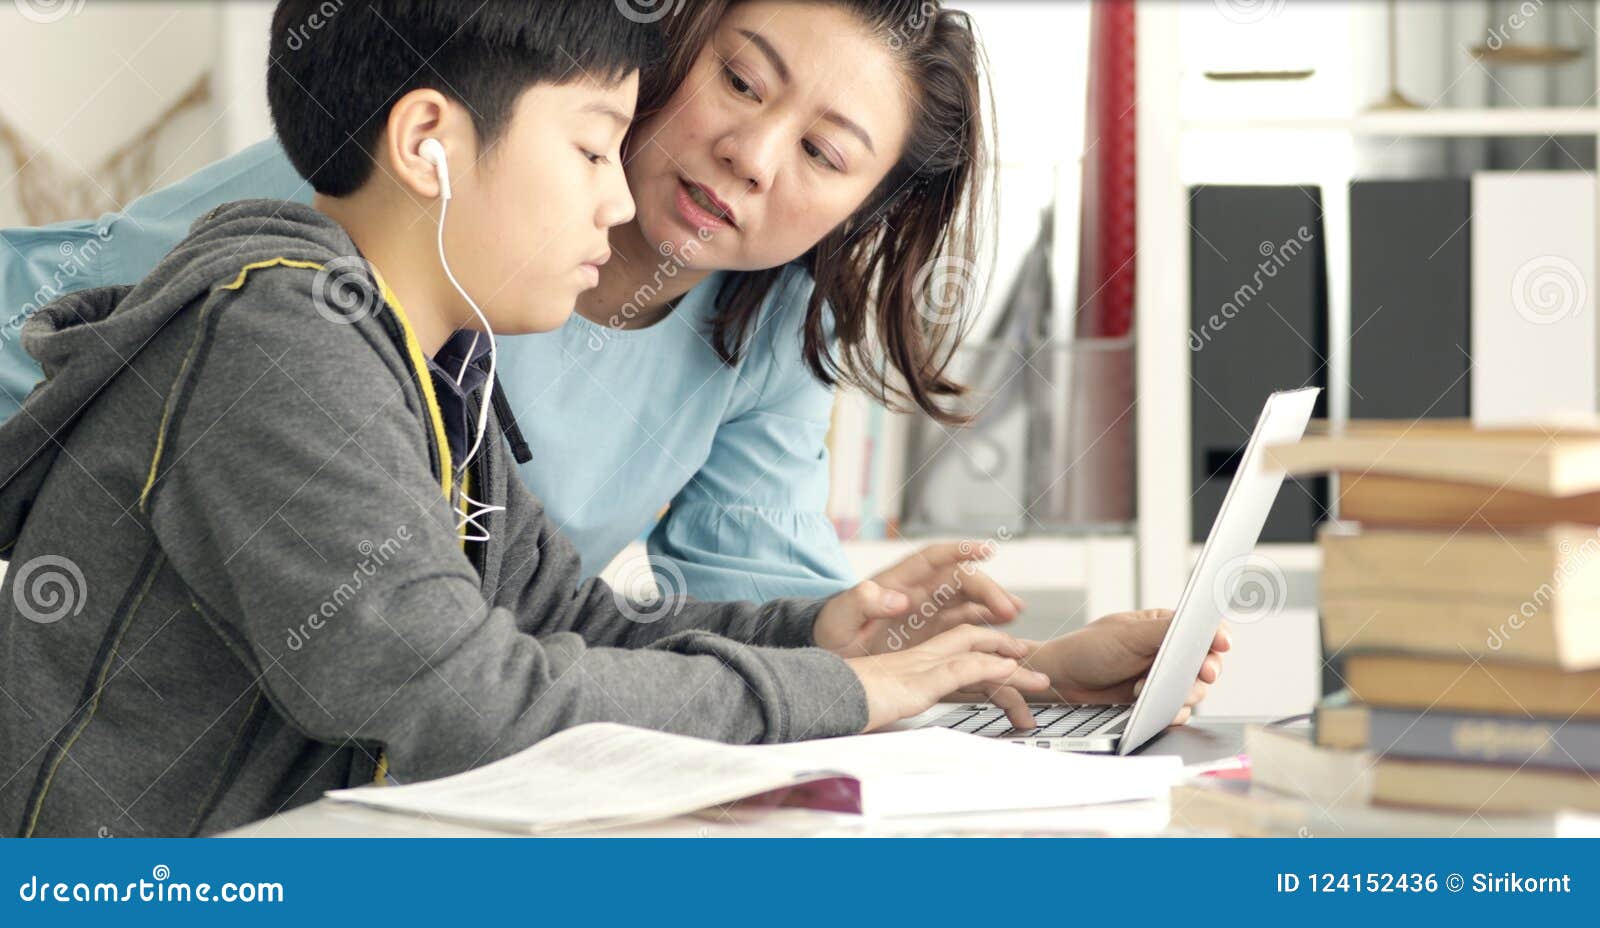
x: 433, y: 151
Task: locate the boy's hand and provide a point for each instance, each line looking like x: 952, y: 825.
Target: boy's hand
x: 936, y: 589
x: 904, y: 683
x: 1106, y: 662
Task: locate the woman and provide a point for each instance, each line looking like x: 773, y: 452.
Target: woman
x: 773, y: 195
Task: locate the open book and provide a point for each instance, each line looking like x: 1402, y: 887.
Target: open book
x: 602, y: 775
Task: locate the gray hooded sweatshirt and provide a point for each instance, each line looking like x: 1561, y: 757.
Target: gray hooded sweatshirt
x: 236, y: 579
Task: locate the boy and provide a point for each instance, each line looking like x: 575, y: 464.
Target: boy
x: 236, y: 510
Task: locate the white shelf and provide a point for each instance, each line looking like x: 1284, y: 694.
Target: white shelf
x: 1531, y: 121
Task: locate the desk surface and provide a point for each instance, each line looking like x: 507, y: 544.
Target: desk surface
x: 1198, y: 742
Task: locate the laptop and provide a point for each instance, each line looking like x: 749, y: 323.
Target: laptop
x: 1123, y: 729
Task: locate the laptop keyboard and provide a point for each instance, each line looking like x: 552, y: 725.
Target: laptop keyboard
x: 1050, y: 721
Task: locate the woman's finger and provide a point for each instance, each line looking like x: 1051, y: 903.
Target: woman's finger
x: 974, y: 669
x: 965, y: 638
x: 878, y: 602
x: 979, y: 587
x: 1015, y: 706
x: 965, y: 614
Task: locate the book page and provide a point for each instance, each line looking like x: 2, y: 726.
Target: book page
x: 590, y: 776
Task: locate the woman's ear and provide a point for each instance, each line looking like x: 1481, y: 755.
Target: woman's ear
x: 419, y: 115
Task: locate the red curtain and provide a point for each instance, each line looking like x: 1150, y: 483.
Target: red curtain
x: 1106, y: 253
x: 1102, y: 385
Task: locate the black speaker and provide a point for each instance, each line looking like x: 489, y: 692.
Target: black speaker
x: 1258, y: 318
x: 1410, y: 298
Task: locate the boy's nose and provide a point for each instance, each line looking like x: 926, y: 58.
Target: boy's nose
x: 618, y: 206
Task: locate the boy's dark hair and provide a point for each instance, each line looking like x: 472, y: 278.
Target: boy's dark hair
x: 337, y: 66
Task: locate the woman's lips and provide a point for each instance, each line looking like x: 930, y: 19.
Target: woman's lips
x: 696, y: 215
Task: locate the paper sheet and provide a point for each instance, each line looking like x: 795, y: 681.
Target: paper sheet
x: 604, y: 774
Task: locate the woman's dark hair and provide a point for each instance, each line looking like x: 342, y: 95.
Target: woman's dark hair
x: 887, y: 274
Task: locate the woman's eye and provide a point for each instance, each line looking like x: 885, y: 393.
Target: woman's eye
x: 818, y: 155
x: 740, y: 85
x: 594, y: 158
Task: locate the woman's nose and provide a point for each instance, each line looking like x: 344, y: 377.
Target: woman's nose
x: 750, y: 156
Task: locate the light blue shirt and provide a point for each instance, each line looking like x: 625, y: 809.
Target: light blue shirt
x: 622, y: 423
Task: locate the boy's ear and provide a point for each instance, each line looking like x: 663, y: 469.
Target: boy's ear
x: 425, y: 114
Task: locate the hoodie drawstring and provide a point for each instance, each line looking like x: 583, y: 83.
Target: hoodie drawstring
x: 508, y: 424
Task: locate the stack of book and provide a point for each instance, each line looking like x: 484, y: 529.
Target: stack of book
x: 1297, y: 786
x: 1460, y: 606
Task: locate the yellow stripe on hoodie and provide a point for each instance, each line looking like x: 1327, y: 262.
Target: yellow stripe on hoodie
x: 419, y: 363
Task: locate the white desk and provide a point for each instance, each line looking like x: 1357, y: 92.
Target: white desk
x: 1197, y: 742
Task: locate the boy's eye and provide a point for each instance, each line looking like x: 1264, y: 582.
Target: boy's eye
x: 740, y: 85
x: 818, y: 155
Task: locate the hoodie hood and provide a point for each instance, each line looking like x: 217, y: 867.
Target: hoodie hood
x: 86, y: 339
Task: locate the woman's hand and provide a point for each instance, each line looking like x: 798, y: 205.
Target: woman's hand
x: 934, y: 590
x: 1106, y: 661
x: 904, y: 683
